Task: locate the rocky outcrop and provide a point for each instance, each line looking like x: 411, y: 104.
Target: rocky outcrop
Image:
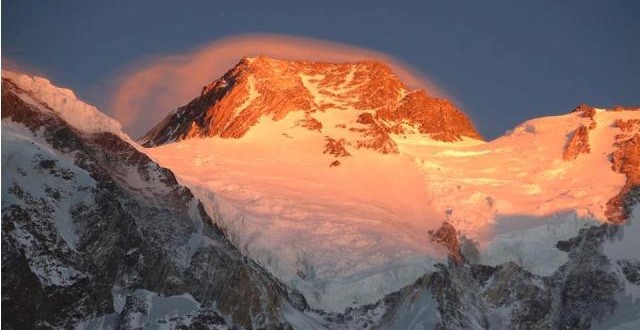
x: 267, y: 88
x: 626, y: 160
x: 437, y: 117
x: 578, y: 144
x: 335, y: 147
x: 587, y: 111
x: 311, y: 124
x: 447, y: 236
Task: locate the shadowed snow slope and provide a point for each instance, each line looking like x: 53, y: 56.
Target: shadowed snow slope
x: 97, y: 235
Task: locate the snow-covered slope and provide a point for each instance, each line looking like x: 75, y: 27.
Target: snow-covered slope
x: 344, y: 235
x: 516, y: 196
x: 350, y: 225
x: 97, y: 235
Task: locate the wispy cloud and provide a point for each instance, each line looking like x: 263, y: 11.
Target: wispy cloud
x: 10, y: 63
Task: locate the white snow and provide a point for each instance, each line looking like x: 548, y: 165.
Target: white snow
x: 64, y: 102
x: 311, y: 84
x: 626, y: 315
x: 348, y: 235
x: 531, y: 241
x: 625, y: 246
x: 344, y: 236
x: 166, y: 307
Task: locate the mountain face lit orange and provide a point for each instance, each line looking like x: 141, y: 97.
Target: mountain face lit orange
x: 333, y: 178
x: 278, y: 181
x: 325, y: 159
x: 265, y: 88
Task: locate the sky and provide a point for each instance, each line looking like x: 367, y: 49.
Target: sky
x: 502, y: 62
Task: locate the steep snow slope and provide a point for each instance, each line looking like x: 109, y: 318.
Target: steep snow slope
x: 343, y: 235
x: 347, y: 235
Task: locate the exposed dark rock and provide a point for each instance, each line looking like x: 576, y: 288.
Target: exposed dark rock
x: 335, y: 147
x: 578, y: 144
x: 631, y: 270
x: 585, y: 110
x: 311, y: 124
x: 626, y: 160
x: 447, y: 236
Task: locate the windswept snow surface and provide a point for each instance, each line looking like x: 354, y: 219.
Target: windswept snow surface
x: 64, y: 102
x: 343, y: 235
x: 350, y: 234
x: 515, y: 196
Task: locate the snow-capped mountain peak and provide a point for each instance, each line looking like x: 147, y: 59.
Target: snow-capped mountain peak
x: 360, y: 102
x: 466, y: 235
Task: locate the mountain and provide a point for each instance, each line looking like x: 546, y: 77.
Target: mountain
x: 274, y: 220
x: 95, y: 234
x: 367, y: 101
x: 350, y: 225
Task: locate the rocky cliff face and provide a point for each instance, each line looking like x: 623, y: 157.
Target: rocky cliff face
x: 626, y: 160
x: 95, y: 234
x: 447, y: 236
x: 261, y: 88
